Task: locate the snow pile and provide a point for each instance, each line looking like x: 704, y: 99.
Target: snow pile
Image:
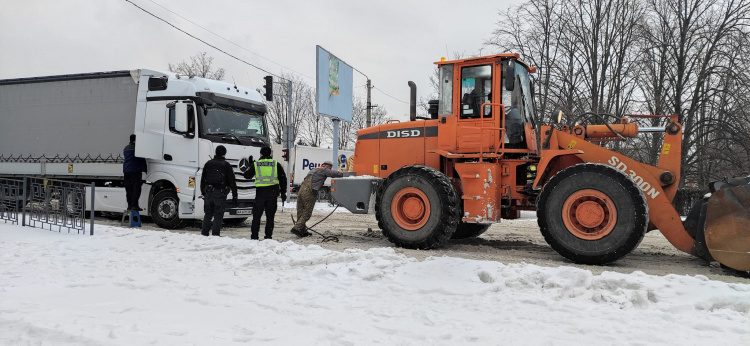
x: 132, y: 287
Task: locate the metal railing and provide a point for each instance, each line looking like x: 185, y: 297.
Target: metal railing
x: 47, y: 203
x: 10, y: 202
x: 501, y: 130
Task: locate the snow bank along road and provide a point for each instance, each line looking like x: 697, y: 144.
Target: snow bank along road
x: 136, y: 287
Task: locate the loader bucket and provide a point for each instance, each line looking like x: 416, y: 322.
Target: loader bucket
x: 728, y: 226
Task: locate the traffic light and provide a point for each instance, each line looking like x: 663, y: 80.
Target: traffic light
x: 285, y: 154
x: 269, y: 88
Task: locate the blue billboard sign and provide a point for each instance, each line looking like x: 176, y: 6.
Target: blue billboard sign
x: 334, y: 85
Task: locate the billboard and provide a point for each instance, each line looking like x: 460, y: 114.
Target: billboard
x: 334, y: 85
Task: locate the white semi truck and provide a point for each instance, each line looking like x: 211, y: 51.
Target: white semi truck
x: 74, y: 127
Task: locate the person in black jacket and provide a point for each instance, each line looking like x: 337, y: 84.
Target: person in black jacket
x: 132, y: 169
x: 269, y: 183
x: 216, y: 182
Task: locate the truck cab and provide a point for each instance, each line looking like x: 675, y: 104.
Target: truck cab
x: 180, y: 120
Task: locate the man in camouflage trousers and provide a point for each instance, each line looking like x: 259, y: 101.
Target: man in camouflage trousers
x: 308, y: 194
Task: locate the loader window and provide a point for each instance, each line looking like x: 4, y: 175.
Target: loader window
x: 445, y: 105
x: 522, y: 96
x: 519, y: 107
x: 476, y: 88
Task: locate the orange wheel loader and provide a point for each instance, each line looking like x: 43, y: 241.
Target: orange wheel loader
x: 476, y: 160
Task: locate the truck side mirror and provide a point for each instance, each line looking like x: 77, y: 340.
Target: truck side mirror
x: 509, y: 74
x: 181, y: 117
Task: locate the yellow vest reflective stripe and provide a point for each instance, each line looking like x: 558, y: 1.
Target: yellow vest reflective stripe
x: 265, y: 173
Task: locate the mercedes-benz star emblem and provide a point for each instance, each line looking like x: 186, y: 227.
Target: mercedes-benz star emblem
x: 244, y: 165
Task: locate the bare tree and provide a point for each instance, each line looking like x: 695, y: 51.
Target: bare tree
x: 312, y: 130
x: 348, y: 129
x: 279, y: 107
x: 685, y: 57
x: 200, y: 65
x: 701, y: 39
x: 534, y: 30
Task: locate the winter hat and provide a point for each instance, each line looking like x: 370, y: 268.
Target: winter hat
x: 328, y: 163
x: 265, y: 151
x: 221, y: 151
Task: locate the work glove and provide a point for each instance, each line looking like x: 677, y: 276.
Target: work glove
x: 283, y: 197
x: 251, y: 158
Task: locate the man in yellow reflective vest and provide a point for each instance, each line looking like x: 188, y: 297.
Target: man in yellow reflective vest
x: 270, y: 181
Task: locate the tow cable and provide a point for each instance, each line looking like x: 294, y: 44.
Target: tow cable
x: 326, y: 238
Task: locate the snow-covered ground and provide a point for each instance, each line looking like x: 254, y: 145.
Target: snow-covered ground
x: 135, y: 287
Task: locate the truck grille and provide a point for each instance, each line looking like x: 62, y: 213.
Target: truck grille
x: 245, y: 187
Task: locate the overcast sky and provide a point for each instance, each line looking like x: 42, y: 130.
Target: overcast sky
x: 390, y: 41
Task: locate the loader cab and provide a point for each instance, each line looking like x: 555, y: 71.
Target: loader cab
x: 485, y: 104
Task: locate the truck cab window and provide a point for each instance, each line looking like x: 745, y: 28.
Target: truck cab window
x: 476, y: 89
x: 190, y: 118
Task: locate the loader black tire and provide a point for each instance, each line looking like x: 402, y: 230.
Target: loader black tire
x: 426, y: 206
x: 165, y: 209
x: 469, y: 230
x: 592, y: 214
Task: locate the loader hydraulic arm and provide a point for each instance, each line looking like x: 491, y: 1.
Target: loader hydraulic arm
x: 658, y: 184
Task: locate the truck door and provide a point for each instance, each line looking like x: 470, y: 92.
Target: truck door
x: 477, y: 128
x: 180, y: 141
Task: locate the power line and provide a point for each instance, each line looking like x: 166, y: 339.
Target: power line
x: 232, y: 56
x: 386, y: 94
x: 204, y: 42
x: 225, y: 39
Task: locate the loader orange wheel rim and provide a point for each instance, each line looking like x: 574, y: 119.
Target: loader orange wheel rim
x: 410, y: 208
x: 589, y: 214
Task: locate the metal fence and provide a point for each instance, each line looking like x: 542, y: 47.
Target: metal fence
x: 10, y: 202
x: 46, y: 203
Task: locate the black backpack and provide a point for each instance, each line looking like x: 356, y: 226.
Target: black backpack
x: 216, y: 173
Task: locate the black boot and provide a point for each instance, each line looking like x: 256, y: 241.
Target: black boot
x: 299, y: 233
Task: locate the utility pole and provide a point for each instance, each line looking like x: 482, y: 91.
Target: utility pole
x: 289, y: 139
x: 369, y: 103
x: 369, y: 106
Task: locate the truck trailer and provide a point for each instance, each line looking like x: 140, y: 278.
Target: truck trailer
x: 74, y: 127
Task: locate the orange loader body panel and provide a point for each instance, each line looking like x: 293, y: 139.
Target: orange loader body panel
x: 383, y: 149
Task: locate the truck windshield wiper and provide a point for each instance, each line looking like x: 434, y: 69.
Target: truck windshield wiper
x: 228, y: 134
x: 233, y: 137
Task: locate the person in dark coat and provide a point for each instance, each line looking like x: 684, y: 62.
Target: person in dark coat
x: 270, y: 181
x: 217, y: 181
x: 133, y: 168
x: 308, y: 194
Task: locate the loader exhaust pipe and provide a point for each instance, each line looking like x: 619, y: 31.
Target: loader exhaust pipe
x: 413, y: 101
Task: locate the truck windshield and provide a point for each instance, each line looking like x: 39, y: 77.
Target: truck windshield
x: 221, y: 123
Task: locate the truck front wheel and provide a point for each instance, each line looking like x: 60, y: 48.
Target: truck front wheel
x: 164, y: 209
